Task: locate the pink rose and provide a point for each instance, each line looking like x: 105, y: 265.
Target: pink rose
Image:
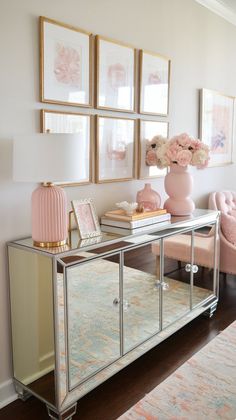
x: 184, y: 157
x: 172, y: 151
x: 151, y: 158
x: 184, y: 140
x: 197, y: 144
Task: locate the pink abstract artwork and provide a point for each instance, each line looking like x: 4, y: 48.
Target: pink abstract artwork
x: 116, y: 75
x: 154, y: 79
x: 67, y: 65
x: 117, y: 152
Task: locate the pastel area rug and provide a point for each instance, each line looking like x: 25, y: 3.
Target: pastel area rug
x: 202, y: 388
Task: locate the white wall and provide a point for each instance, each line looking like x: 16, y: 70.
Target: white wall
x: 201, y: 46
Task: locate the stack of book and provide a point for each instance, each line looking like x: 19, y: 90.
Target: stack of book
x: 117, y: 221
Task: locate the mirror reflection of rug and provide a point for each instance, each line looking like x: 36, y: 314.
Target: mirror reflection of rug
x: 202, y: 388
x: 93, y: 319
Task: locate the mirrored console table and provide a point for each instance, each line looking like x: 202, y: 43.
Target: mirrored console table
x: 82, y: 312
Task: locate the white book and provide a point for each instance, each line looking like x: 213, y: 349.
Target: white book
x: 125, y: 231
x: 132, y: 224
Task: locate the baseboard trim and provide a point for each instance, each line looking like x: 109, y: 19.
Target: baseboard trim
x: 26, y: 381
x: 7, y: 393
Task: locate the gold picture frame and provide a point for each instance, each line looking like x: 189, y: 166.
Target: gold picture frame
x: 53, y: 121
x: 154, y: 83
x: 147, y: 130
x: 60, y: 82
x: 216, y: 125
x: 86, y: 218
x: 115, y: 149
x: 116, y: 75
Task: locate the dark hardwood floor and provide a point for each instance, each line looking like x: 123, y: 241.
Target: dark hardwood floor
x: 116, y: 395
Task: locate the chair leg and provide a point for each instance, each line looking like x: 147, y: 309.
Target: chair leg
x: 224, y: 276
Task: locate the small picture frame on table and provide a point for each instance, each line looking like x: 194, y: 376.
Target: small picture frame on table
x: 65, y: 64
x: 147, y: 130
x: 115, y: 149
x: 115, y: 75
x: 154, y: 84
x: 86, y: 218
x: 217, y: 120
x: 68, y: 122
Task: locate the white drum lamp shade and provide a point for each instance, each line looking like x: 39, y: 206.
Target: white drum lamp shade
x: 48, y: 158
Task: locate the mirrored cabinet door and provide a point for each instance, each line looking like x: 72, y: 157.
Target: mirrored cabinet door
x: 175, y: 281
x: 141, y: 294
x: 205, y: 264
x: 183, y: 259
x: 93, y: 317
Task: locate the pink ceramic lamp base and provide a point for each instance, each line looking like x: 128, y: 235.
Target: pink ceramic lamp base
x: 49, y: 216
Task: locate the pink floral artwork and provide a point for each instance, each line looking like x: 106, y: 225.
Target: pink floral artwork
x: 220, y: 135
x: 116, y: 75
x: 67, y: 65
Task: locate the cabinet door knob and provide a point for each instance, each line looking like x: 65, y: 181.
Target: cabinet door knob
x: 195, y: 268
x: 191, y: 268
x: 116, y: 301
x: 165, y: 285
x: 157, y: 285
x: 188, y: 268
x: 126, y: 305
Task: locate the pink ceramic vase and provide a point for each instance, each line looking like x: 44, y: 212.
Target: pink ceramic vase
x: 148, y: 199
x: 178, y: 186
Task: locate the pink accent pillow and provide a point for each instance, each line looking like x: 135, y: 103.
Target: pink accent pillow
x: 228, y: 227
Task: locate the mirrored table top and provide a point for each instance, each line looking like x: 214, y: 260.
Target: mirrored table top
x: 142, y: 235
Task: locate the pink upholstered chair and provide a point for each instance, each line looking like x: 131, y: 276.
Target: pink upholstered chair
x: 225, y: 201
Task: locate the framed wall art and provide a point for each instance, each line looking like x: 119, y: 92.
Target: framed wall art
x: 115, y: 75
x: 65, y: 122
x: 217, y: 125
x: 86, y: 218
x: 147, y: 130
x: 65, y: 64
x: 115, y: 149
x: 154, y: 84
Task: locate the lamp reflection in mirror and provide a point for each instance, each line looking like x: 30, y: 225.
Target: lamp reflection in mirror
x: 48, y: 158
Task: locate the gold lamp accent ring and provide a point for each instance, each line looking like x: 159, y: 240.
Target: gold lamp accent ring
x: 49, y: 244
